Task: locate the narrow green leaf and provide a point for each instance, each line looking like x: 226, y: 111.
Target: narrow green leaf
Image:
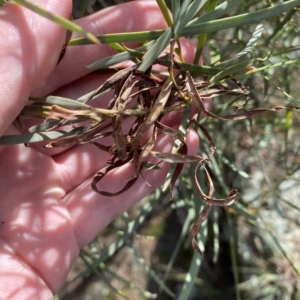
x: 288, y: 202
x: 210, y: 5
x: 190, y: 277
x: 200, y: 70
x: 164, y: 9
x: 153, y: 53
x: 240, y: 20
x: 176, y: 14
x: 251, y: 43
x: 184, y: 232
x: 40, y: 136
x: 280, y: 26
x: 111, y: 60
x: 130, y: 230
x: 233, y: 254
x: 201, y: 42
x: 141, y: 36
x: 185, y: 5
x: 45, y: 126
x: 219, y: 11
x: 242, y: 210
x: 99, y: 273
x: 281, y: 249
x: 187, y: 15
x: 60, y: 101
x: 231, y: 165
x: 279, y: 64
x: 240, y: 67
x: 128, y: 283
x: 120, y: 57
x: 117, y: 47
x: 151, y: 273
x: 216, y: 235
x: 58, y: 19
x: 192, y: 28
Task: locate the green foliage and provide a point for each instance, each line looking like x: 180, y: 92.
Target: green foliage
x: 2, y: 2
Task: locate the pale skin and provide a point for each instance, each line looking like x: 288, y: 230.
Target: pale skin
x: 48, y: 210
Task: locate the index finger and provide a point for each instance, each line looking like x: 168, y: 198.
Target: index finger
x: 29, y: 48
x: 127, y: 17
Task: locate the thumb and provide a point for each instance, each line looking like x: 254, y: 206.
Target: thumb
x: 29, y: 49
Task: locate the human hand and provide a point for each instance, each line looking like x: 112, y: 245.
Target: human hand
x: 48, y: 210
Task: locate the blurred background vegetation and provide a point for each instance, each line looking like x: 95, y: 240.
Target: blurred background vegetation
x: 251, y: 248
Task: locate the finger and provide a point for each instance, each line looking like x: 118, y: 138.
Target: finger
x: 28, y: 52
x: 91, y: 212
x: 127, y: 17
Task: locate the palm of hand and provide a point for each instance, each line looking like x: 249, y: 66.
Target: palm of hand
x: 48, y: 209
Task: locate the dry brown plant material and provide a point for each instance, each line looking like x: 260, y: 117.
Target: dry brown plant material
x: 176, y: 91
